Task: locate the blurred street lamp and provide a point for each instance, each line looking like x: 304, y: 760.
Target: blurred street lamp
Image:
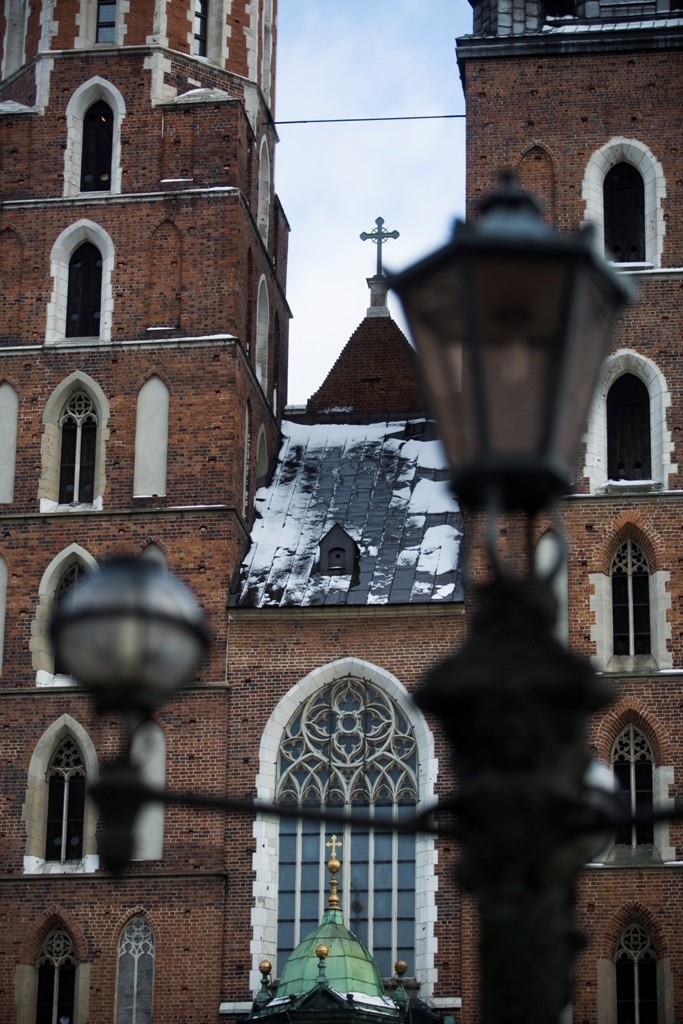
x: 511, y: 322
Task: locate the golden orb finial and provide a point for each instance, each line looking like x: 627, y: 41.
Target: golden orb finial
x: 322, y: 951
x: 333, y: 866
x: 400, y: 967
x: 265, y: 967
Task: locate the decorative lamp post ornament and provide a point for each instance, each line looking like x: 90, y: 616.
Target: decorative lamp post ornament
x: 512, y: 322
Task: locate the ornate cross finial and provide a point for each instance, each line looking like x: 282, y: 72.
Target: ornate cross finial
x: 333, y: 866
x: 332, y: 845
x: 379, y: 237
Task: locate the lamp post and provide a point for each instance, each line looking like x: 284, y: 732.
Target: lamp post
x: 512, y: 322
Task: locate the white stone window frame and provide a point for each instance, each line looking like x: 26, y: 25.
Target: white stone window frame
x: 630, y: 151
x: 86, y: 19
x: 607, y: 988
x: 48, y: 484
x: 34, y: 810
x: 90, y: 92
x: 151, y: 439
x: 216, y: 32
x: 62, y: 251
x: 14, y: 48
x: 263, y: 205
x: 660, y: 658
x: 40, y: 644
x: 9, y: 412
x: 661, y: 441
x: 267, y: 51
x: 261, y: 457
x: 261, y: 356
x: 266, y: 829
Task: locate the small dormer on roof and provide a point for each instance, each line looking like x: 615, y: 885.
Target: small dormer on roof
x: 338, y: 552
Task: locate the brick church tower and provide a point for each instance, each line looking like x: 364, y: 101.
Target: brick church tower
x: 583, y: 99
x: 143, y: 363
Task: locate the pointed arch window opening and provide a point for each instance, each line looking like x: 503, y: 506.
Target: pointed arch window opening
x: 624, y: 210
x: 135, y: 973
x: 96, y: 155
x: 56, y: 966
x: 628, y: 430
x: 633, y: 764
x: 630, y: 576
x: 350, y: 746
x: 65, y: 803
x: 635, y: 964
x: 84, y: 292
x: 78, y: 426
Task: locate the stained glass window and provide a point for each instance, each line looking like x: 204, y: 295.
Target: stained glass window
x: 135, y: 976
x: 349, y: 745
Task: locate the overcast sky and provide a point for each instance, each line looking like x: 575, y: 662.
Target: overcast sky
x: 362, y: 58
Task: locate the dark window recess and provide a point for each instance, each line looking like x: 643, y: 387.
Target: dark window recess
x: 628, y: 430
x: 338, y: 552
x: 65, y: 804
x: 73, y: 574
x: 56, y: 985
x: 84, y: 295
x: 98, y: 130
x: 201, y: 19
x: 624, y: 210
x: 630, y: 577
x: 106, y: 23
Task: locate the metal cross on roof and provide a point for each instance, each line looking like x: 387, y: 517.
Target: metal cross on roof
x: 379, y: 237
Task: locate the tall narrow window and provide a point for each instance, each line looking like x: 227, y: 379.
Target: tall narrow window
x: 73, y: 574
x: 98, y: 133
x: 78, y: 425
x: 65, y: 803
x: 630, y: 576
x: 56, y: 979
x: 633, y: 765
x: 84, y: 295
x: 624, y: 207
x: 635, y: 964
x: 201, y: 25
x: 628, y: 430
x: 348, y: 746
x: 135, y: 974
x: 105, y: 31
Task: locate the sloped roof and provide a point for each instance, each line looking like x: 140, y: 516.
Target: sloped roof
x: 376, y: 371
x: 386, y: 486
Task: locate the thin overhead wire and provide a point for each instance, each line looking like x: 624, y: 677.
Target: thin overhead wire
x: 353, y: 120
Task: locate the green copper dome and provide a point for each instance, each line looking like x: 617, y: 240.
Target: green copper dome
x: 348, y: 966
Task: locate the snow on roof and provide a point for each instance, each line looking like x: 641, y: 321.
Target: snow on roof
x: 386, y: 488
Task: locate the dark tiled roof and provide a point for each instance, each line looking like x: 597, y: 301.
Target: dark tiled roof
x: 386, y: 487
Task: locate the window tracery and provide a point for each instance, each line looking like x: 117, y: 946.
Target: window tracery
x: 635, y: 963
x: 56, y: 979
x: 65, y: 803
x: 630, y: 574
x: 135, y: 973
x: 350, y: 745
x: 78, y: 425
x: 633, y: 763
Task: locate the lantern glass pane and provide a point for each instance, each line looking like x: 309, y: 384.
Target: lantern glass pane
x: 591, y: 322
x: 520, y: 305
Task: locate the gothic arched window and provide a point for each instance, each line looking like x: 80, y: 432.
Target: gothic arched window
x: 635, y: 963
x: 56, y: 979
x: 71, y: 577
x: 96, y: 152
x: 349, y: 745
x: 630, y: 575
x: 628, y: 430
x: 633, y: 764
x: 84, y: 294
x: 624, y: 204
x: 135, y: 973
x: 78, y: 427
x: 65, y: 803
